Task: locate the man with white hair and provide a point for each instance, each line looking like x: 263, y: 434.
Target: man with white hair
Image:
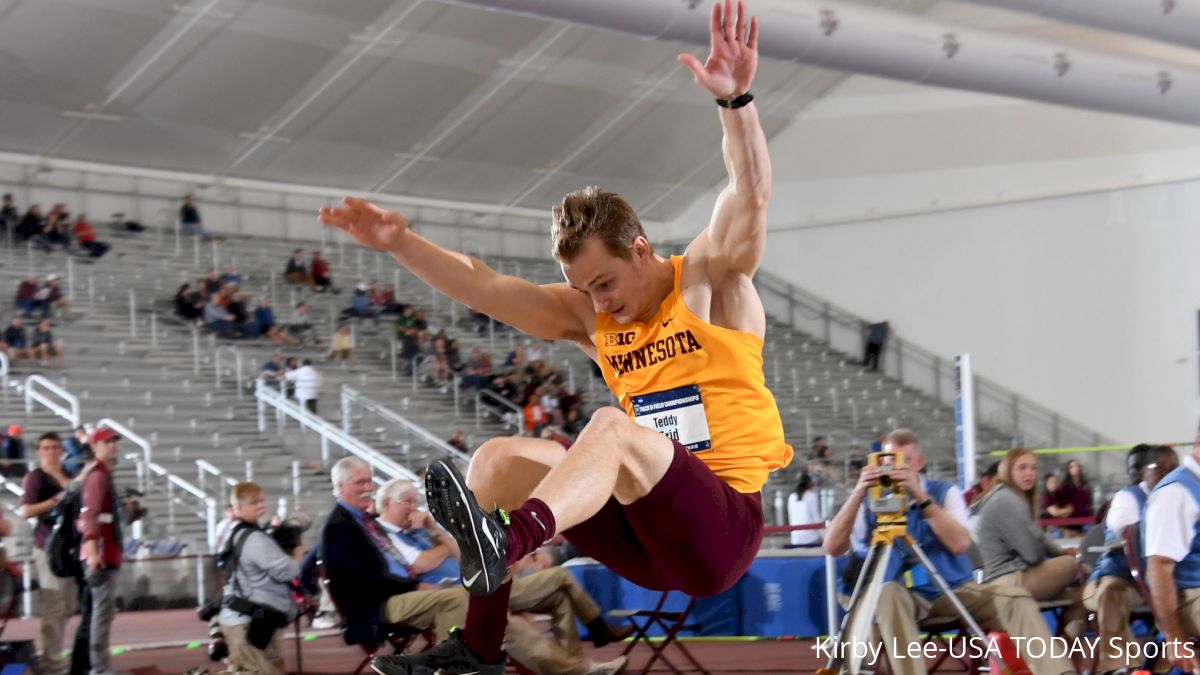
x: 375, y: 585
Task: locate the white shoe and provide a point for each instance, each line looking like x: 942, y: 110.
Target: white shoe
x: 325, y: 621
x: 607, y: 667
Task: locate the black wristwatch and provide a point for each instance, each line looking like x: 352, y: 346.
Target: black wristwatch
x: 928, y: 502
x: 735, y: 103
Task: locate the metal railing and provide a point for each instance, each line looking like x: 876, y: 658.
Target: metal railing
x: 501, y: 402
x: 69, y: 412
x: 352, y: 397
x: 208, y: 506
x: 4, y: 374
x: 1027, y: 423
x: 204, y: 469
x: 237, y: 366
x: 382, y: 466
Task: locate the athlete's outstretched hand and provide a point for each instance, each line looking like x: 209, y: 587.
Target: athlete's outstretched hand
x: 733, y: 59
x: 368, y: 224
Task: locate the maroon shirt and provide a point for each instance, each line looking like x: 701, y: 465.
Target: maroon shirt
x: 99, y: 517
x: 40, y: 486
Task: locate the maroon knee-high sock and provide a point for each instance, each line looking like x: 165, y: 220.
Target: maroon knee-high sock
x: 487, y: 618
x: 529, y: 527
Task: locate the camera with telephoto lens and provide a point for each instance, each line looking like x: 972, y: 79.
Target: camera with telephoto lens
x: 889, y: 497
x: 131, y: 508
x: 288, y: 534
x: 218, y: 649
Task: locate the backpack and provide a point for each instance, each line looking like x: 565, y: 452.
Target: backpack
x: 62, y: 546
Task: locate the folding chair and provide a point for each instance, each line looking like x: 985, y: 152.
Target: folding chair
x: 671, y: 622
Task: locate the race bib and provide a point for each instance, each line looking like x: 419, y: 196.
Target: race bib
x: 677, y: 414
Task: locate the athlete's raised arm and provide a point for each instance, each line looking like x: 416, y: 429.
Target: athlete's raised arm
x: 553, y: 311
x: 736, y: 237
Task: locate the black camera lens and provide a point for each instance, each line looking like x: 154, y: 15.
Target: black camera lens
x: 885, y: 480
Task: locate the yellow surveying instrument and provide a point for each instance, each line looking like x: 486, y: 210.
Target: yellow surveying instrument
x: 888, y: 501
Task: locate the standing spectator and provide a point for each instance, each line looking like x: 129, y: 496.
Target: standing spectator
x: 44, y: 347
x: 321, y: 276
x: 78, y: 451
x: 264, y: 318
x: 308, y: 385
x: 877, y: 446
x: 803, y: 509
x: 289, y: 388
x: 296, y: 271
x: 457, y: 441
x: 258, y: 574
x: 27, y: 296
x: 341, y: 346
x: 8, y: 213
x: 272, y: 371
x: 44, y: 488
x: 189, y: 219
x: 875, y: 336
x: 85, y: 234
x: 101, y: 552
x: 15, y: 343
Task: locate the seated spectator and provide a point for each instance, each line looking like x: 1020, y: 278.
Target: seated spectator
x: 360, y: 305
x: 369, y: 562
x: 14, y: 342
x: 341, y: 347
x: 211, y: 283
x: 502, y: 385
x: 410, y: 345
x: 236, y: 305
x: 189, y: 219
x: 296, y: 271
x: 535, y: 417
x: 85, y: 234
x: 264, y: 318
x: 9, y: 216
x: 406, y: 320
x: 51, y: 294
x: 77, y: 451
x: 1076, y: 491
x: 231, y: 276
x: 188, y: 304
x: 27, y: 300
x: 1052, y: 504
x: 57, y: 227
x: 301, y: 323
x: 12, y: 449
x: 573, y: 421
x: 45, y: 347
x: 1015, y: 550
x: 31, y: 224
x: 457, y: 441
x: 221, y: 321
x: 804, y: 509
x: 477, y: 371
x: 983, y: 484
x: 383, y: 299
x: 322, y: 279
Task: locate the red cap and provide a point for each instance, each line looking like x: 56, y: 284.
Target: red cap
x: 103, y: 434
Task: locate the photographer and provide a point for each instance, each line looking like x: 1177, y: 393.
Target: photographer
x: 257, y: 600
x: 936, y: 518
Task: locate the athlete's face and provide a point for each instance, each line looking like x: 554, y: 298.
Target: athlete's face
x: 612, y: 283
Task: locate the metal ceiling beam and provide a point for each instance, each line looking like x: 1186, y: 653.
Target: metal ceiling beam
x: 1175, y: 21
x: 902, y: 47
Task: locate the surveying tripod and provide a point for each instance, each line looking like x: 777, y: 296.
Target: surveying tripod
x: 890, y: 505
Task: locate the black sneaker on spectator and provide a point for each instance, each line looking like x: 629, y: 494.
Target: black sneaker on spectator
x: 449, y: 657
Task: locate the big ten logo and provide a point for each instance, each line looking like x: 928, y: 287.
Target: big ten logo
x: 619, y: 339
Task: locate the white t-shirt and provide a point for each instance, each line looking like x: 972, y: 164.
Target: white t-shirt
x: 804, y: 511
x: 1171, y: 517
x: 1123, y: 511
x: 954, y: 505
x: 406, y: 550
x: 307, y: 380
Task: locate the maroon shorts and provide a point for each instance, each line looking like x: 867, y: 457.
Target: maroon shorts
x: 691, y: 533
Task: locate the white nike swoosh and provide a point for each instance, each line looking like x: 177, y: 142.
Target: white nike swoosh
x: 475, y: 576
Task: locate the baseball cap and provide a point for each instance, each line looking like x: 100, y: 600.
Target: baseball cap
x: 52, y: 277
x: 15, y: 430
x: 103, y: 434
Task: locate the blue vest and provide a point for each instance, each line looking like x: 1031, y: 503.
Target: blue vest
x: 448, y: 570
x: 955, y: 569
x: 1113, y: 562
x: 1187, y: 571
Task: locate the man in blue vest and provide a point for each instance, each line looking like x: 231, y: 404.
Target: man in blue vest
x: 1110, y: 591
x: 937, y: 521
x: 1173, y: 559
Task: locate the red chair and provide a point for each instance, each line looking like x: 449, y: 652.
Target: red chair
x: 671, y: 622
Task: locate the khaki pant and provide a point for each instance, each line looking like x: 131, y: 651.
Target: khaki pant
x: 1110, y: 598
x: 443, y: 609
x: 1053, y: 579
x: 556, y: 592
x: 1005, y: 608
x: 58, y: 599
x: 246, y: 658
